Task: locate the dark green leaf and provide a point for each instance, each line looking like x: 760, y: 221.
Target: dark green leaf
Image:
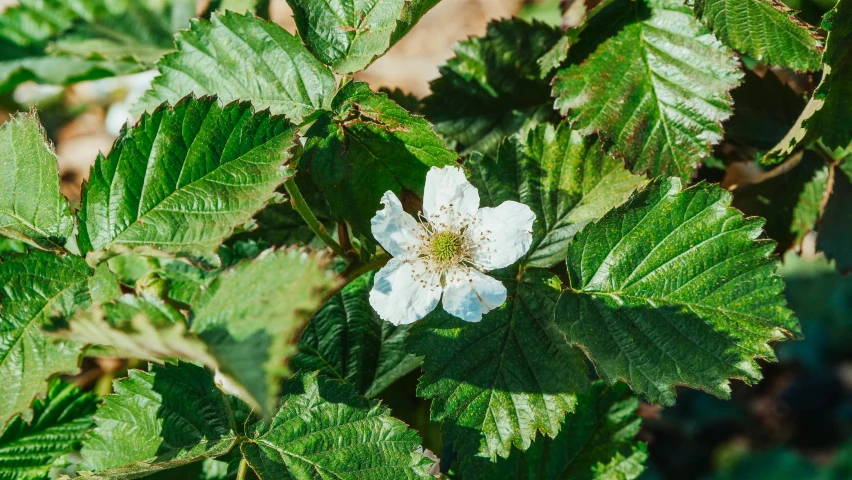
x: 165, y: 418
x: 764, y: 29
x: 369, y: 145
x: 250, y: 314
x: 674, y: 288
x: 185, y: 177
x: 57, y: 427
x: 346, y: 339
x: 565, y: 179
x: 324, y: 430
x: 242, y: 57
x: 31, y: 207
x: 494, y: 384
x: 596, y: 441
x: 656, y: 92
x: 38, y: 287
x: 492, y: 88
x: 834, y: 233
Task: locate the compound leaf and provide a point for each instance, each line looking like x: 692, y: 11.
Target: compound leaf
x: 656, y: 92
x: 250, y: 314
x: 595, y: 442
x: 184, y: 177
x: 32, y: 208
x: 494, y: 384
x: 167, y: 417
x: 324, y: 430
x: 242, y: 57
x: 58, y: 425
x: 369, y: 145
x: 37, y: 288
x: 566, y: 179
x: 492, y: 88
x: 674, y: 288
x: 347, y: 340
x: 764, y: 29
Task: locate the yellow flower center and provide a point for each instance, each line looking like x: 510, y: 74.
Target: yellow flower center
x: 446, y: 246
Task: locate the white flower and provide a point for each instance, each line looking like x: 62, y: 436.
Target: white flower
x: 447, y: 252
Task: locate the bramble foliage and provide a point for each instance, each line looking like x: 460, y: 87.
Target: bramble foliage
x: 224, y: 244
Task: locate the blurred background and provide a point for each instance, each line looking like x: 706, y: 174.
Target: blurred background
x: 796, y: 424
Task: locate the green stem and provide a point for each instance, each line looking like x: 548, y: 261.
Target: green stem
x: 357, y: 269
x: 242, y: 469
x: 301, y: 206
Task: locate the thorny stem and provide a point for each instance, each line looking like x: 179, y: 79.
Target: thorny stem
x: 242, y: 469
x: 301, y: 206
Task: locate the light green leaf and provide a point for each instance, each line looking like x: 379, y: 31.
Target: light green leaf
x: 764, y: 29
x: 250, y: 314
x: 58, y: 425
x: 595, y: 442
x: 496, y: 383
x: 38, y: 287
x: 184, y: 177
x: 565, y: 179
x: 242, y: 57
x: 656, y: 92
x: 367, y: 146
x: 346, y: 339
x: 142, y: 327
x: 833, y: 232
x: 323, y: 430
x: 492, y: 88
x: 828, y: 115
x: 156, y: 420
x: 674, y: 288
x: 31, y: 207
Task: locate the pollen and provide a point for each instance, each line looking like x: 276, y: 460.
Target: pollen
x: 446, y: 246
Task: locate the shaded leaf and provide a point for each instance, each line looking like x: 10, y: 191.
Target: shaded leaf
x: 347, y: 340
x: 57, y: 427
x: 674, y: 288
x: 323, y: 430
x: 31, y: 207
x: 367, y: 146
x: 833, y: 232
x: 764, y: 29
x: 250, y: 315
x: 184, y: 177
x: 242, y: 57
x: 496, y: 383
x: 656, y: 92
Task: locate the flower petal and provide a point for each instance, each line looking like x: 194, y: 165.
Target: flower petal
x: 470, y: 293
x: 395, y: 229
x: 502, y: 235
x: 448, y: 197
x: 404, y: 292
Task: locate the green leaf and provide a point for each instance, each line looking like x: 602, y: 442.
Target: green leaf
x: 595, y: 441
x: 57, y: 427
x: 833, y: 232
x: 346, y: 339
x: 369, y: 145
x: 184, y: 177
x: 38, y: 287
x: 156, y: 420
x: 142, y: 327
x: 494, y: 384
x: 242, y: 57
x: 656, y: 92
x: 674, y: 288
x: 492, y: 88
x: 764, y: 29
x: 31, y: 207
x: 323, y: 430
x: 828, y: 115
x: 565, y: 179
x: 250, y: 315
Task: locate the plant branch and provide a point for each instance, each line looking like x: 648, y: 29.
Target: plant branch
x: 300, y: 205
x: 242, y: 469
x: 357, y: 269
